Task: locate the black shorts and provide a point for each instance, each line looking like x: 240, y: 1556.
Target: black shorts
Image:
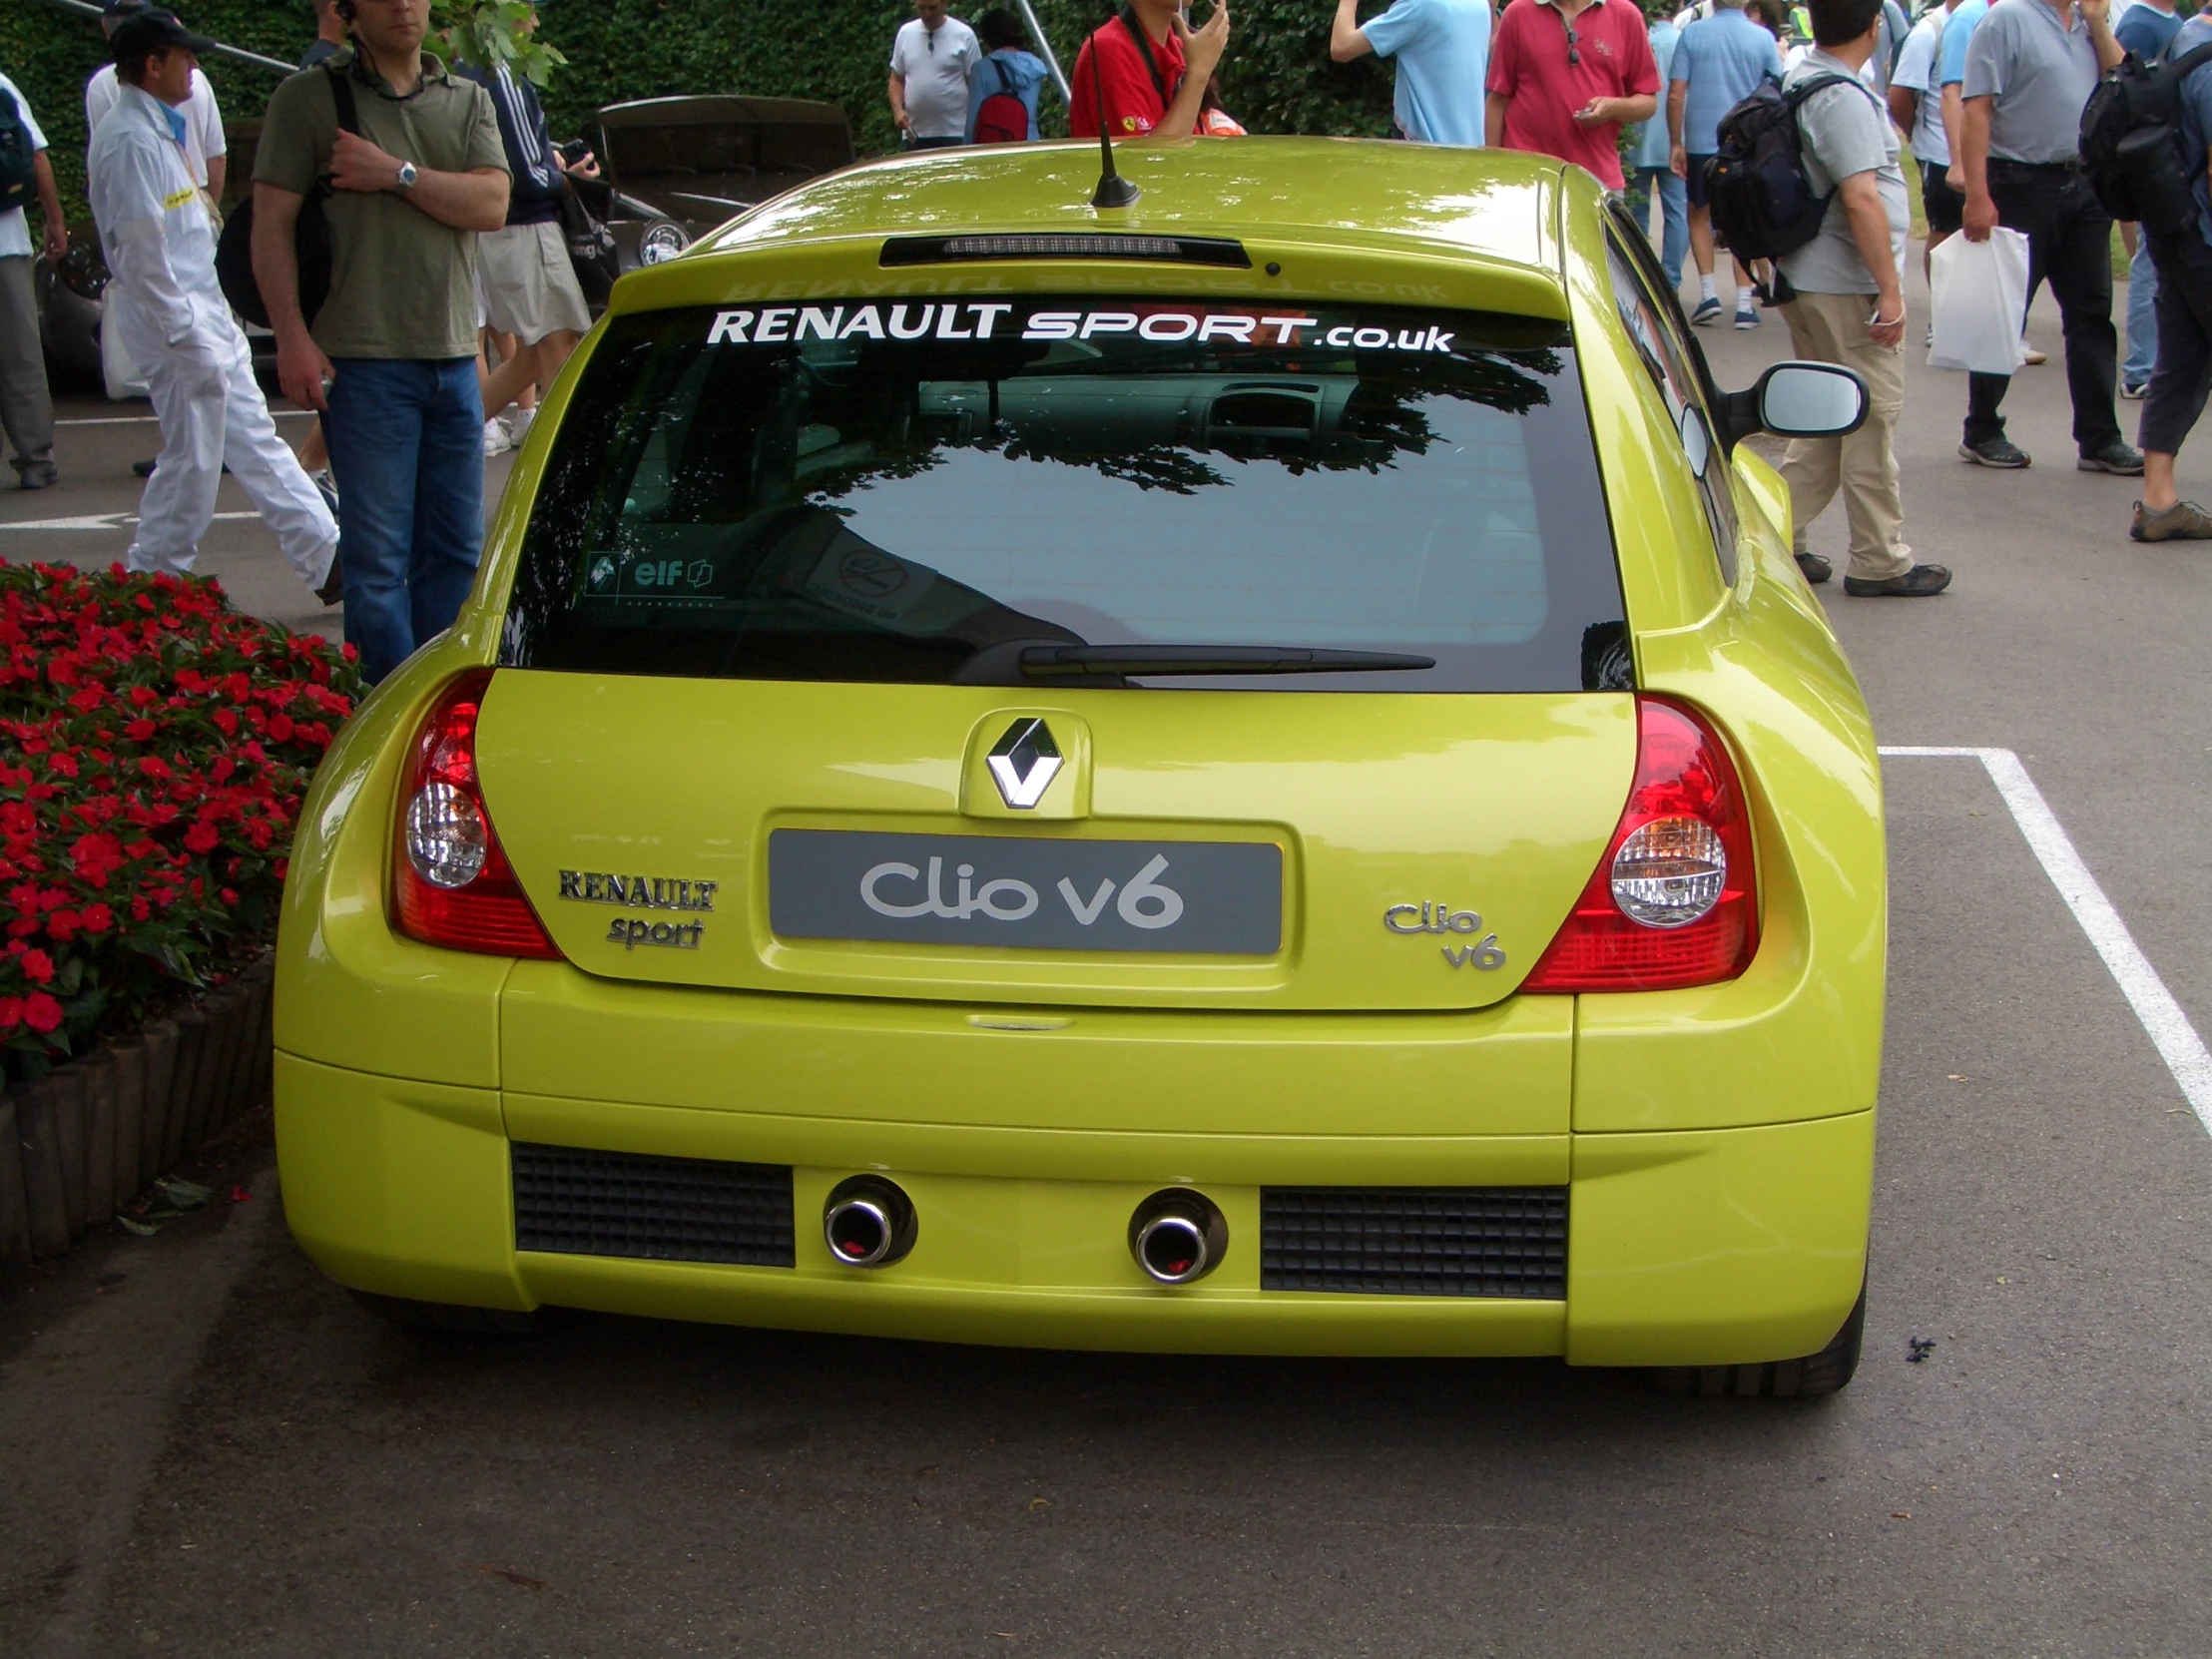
x: 1696, y: 181
x: 1946, y: 208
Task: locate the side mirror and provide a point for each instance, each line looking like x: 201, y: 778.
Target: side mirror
x: 1799, y: 401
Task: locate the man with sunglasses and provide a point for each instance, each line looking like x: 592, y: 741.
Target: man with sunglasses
x: 1566, y: 76
x: 930, y: 61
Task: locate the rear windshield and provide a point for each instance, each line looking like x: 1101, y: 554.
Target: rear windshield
x: 869, y: 491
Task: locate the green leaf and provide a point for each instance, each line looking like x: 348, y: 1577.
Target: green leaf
x: 183, y: 1194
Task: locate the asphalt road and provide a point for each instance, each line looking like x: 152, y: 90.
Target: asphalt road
x: 208, y: 1449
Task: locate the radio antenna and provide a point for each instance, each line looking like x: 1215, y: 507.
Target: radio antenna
x: 1113, y: 190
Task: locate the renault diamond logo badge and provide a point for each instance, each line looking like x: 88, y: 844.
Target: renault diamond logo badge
x: 1024, y: 762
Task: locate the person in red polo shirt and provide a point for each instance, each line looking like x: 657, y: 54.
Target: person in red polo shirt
x: 1153, y: 69
x: 1566, y: 76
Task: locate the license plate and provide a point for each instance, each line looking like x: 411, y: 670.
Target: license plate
x: 1028, y: 894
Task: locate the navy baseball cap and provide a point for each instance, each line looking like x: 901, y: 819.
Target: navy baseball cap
x: 147, y: 29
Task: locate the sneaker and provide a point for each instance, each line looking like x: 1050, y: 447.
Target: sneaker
x: 326, y: 487
x: 1747, y: 319
x: 41, y: 477
x: 497, y: 439
x: 144, y: 469
x: 334, y: 585
x: 518, y: 424
x: 1707, y: 314
x: 2116, y: 456
x: 1997, y: 452
x: 2134, y: 390
x: 2183, y: 522
x: 1919, y: 582
x: 2036, y: 358
x: 1817, y: 569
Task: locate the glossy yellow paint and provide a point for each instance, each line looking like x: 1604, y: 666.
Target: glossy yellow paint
x: 1696, y: 1248
x: 1500, y: 806
x: 1718, y: 1142
x: 876, y: 1061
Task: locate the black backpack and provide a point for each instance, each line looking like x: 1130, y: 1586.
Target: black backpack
x: 1764, y: 205
x: 18, y: 173
x: 2131, y: 142
x: 311, y: 237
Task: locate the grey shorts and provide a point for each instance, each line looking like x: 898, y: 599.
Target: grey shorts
x: 530, y: 289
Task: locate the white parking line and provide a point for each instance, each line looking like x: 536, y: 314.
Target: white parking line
x: 2169, y: 1030
x: 96, y: 521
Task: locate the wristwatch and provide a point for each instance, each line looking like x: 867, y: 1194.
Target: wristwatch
x: 406, y: 177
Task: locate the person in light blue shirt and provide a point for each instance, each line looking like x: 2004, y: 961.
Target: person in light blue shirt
x: 1652, y: 157
x: 1718, y: 63
x: 2146, y: 29
x: 1951, y: 74
x: 1008, y: 66
x: 1442, y: 49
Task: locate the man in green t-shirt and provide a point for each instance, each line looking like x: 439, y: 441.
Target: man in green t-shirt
x: 390, y: 357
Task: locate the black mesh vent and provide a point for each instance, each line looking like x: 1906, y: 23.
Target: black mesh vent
x: 1416, y: 1241
x: 576, y: 1203
x: 1065, y: 245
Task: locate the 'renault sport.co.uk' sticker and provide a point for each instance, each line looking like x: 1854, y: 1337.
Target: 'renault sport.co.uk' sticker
x: 978, y: 321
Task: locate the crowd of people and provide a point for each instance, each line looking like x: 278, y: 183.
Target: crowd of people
x: 451, y: 298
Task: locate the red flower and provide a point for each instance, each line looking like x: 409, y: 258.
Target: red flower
x: 41, y: 1012
x: 95, y: 917
x: 139, y: 731
x: 201, y: 837
x: 38, y: 967
x: 63, y: 925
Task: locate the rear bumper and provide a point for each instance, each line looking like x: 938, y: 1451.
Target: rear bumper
x: 1695, y: 1247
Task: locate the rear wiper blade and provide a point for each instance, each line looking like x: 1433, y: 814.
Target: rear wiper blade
x: 1083, y: 662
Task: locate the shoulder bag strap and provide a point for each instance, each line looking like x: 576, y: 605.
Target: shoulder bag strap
x: 342, y: 95
x: 1144, y: 51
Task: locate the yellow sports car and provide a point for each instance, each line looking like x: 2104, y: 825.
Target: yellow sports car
x: 1249, y: 772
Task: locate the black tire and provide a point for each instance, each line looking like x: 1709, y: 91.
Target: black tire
x: 446, y: 1319
x: 1825, y: 1373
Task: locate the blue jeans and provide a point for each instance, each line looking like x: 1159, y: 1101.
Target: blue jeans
x: 2142, y: 316
x: 406, y: 441
x: 1674, y: 212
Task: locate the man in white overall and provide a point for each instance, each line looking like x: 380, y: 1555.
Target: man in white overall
x: 177, y: 327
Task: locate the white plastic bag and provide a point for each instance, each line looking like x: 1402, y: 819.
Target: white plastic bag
x: 1980, y: 302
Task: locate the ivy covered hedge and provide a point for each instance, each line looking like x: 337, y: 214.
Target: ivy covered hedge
x: 1277, y: 78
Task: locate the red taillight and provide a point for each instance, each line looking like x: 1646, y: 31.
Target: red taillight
x: 451, y: 885
x: 1675, y: 899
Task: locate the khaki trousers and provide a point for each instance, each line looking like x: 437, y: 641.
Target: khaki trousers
x: 1832, y: 328
x: 26, y: 413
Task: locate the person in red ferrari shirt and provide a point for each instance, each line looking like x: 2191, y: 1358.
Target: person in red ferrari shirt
x: 1153, y: 68
x: 1566, y: 76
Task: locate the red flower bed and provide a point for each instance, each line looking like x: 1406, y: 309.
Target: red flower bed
x: 154, y: 748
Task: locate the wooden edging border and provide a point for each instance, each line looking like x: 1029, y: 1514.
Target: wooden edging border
x: 87, y: 1138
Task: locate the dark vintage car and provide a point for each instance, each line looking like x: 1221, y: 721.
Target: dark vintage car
x: 670, y: 169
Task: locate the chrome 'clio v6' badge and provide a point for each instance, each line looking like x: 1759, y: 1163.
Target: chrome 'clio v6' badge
x: 1024, y: 763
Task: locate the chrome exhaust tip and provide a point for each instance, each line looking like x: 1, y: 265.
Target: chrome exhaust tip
x: 1178, y: 1236
x: 867, y: 1222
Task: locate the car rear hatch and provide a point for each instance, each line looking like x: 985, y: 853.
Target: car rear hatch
x: 1066, y: 649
